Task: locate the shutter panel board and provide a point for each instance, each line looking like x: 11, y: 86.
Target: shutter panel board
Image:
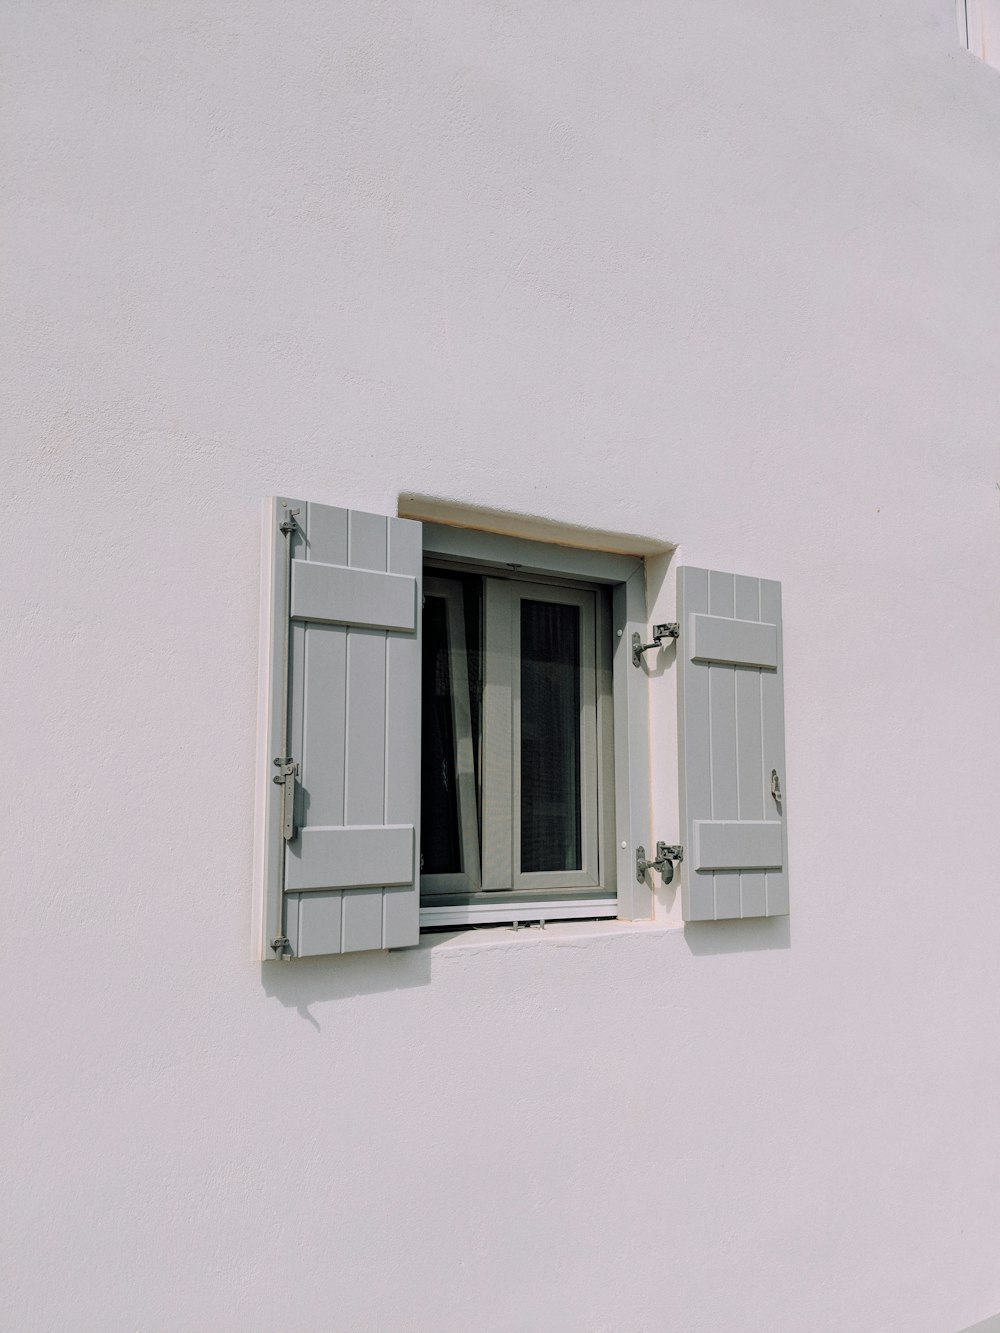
x: 722, y: 741
x: 364, y: 781
x: 738, y: 642
x: 731, y: 728
x: 353, y: 596
x: 350, y: 871
x: 694, y: 734
x: 773, y: 724
x: 753, y: 892
x: 322, y: 537
x: 723, y: 844
x: 317, y: 921
x: 350, y: 857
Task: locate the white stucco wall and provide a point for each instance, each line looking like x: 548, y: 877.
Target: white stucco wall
x: 726, y: 276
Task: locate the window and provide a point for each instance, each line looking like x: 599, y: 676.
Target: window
x: 517, y: 763
x: 528, y: 806
x: 499, y: 682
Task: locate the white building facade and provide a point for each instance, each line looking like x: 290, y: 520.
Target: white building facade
x: 708, y: 287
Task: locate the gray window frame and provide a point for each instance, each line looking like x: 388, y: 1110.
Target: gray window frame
x: 622, y: 712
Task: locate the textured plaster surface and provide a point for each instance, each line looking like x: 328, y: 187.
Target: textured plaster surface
x: 723, y: 276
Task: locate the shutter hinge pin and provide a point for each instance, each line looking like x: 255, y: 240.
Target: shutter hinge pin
x: 282, y: 948
x: 660, y: 632
x: 288, y: 523
x: 664, y: 863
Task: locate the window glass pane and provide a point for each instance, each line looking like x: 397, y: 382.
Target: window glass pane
x: 440, y: 851
x: 550, y: 737
x: 472, y: 598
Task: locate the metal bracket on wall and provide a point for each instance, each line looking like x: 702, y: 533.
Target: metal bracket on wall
x: 664, y: 863
x: 660, y: 632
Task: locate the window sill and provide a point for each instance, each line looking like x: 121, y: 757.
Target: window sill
x: 528, y: 912
x: 570, y: 934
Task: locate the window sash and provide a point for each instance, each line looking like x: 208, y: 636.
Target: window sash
x: 587, y: 876
x: 502, y: 739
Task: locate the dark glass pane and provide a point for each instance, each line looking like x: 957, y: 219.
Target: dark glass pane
x: 440, y: 851
x: 472, y: 600
x: 550, y: 737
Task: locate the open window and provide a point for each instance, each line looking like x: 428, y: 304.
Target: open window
x: 517, y: 748
x: 499, y: 683
x: 534, y: 747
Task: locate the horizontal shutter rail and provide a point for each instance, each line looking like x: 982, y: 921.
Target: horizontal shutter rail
x: 339, y: 595
x: 735, y: 642
x: 737, y: 845
x: 353, y: 857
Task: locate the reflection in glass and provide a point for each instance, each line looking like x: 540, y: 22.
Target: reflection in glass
x: 550, y: 737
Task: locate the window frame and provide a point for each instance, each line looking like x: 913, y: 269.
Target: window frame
x: 502, y: 593
x: 623, y: 812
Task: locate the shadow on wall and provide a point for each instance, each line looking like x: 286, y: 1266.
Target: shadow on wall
x: 306, y: 981
x: 750, y: 936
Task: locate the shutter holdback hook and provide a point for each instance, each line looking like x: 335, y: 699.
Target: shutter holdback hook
x: 660, y: 632
x: 664, y: 863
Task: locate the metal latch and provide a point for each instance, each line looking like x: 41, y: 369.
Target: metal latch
x: 664, y: 863
x: 660, y: 632
x: 285, y: 778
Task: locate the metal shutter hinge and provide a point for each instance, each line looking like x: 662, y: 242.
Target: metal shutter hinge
x: 660, y: 632
x: 285, y: 778
x: 664, y: 863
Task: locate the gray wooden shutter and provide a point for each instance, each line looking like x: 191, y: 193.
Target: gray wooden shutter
x: 732, y: 740
x: 349, y: 598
